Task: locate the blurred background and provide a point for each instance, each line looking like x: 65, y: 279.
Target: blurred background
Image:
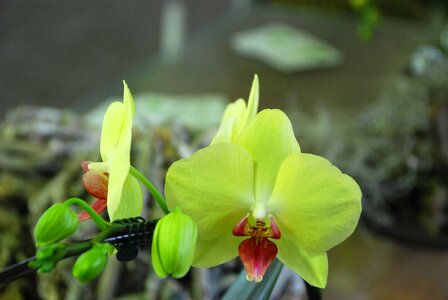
x: 365, y: 83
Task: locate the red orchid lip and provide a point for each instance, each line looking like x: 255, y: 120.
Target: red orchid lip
x: 257, y: 252
x: 257, y: 255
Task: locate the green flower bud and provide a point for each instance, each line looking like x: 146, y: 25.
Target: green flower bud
x: 90, y: 264
x: 46, y: 267
x: 57, y: 223
x: 173, y: 244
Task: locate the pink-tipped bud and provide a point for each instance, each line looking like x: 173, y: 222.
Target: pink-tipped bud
x: 85, y: 165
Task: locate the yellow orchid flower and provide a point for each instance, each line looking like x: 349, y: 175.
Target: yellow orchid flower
x: 253, y: 193
x: 110, y: 181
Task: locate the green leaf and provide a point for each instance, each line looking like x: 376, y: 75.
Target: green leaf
x: 263, y: 290
x: 243, y: 289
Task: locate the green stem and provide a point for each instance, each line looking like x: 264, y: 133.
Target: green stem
x: 74, y: 249
x: 99, y: 222
x: 151, y: 188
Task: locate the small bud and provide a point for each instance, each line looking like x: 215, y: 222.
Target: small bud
x: 90, y: 264
x: 57, y: 223
x: 46, y: 267
x: 173, y: 245
x: 51, y: 251
x: 47, y: 257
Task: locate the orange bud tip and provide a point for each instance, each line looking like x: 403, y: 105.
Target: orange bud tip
x: 96, y: 183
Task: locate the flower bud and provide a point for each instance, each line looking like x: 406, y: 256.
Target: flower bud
x: 90, y: 264
x: 57, y: 223
x: 173, y: 245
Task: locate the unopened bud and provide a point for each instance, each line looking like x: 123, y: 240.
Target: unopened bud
x: 57, y: 223
x: 90, y: 264
x: 173, y: 245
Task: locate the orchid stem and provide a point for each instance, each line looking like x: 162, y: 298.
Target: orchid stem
x: 99, y: 222
x: 151, y: 188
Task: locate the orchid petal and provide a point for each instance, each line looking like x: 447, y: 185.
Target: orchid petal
x: 111, y: 130
x: 237, y: 116
x: 215, y: 188
x: 269, y: 139
x: 117, y: 125
x: 128, y: 100
x: 125, y: 137
x: 119, y: 159
x: 118, y: 171
x: 311, y: 266
x: 131, y: 202
x: 210, y: 253
x: 232, y: 123
x: 315, y: 201
x: 252, y: 102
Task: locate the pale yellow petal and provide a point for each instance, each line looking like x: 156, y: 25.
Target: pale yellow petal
x: 112, y: 129
x: 252, y: 103
x: 210, y: 253
x: 215, y: 188
x: 131, y: 200
x: 315, y: 201
x: 232, y: 123
x: 269, y: 138
x: 311, y: 266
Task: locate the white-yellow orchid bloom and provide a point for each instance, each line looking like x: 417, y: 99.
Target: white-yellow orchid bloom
x: 110, y: 181
x: 253, y: 192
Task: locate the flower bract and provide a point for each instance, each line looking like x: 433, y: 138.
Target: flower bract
x: 110, y: 181
x: 253, y: 193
